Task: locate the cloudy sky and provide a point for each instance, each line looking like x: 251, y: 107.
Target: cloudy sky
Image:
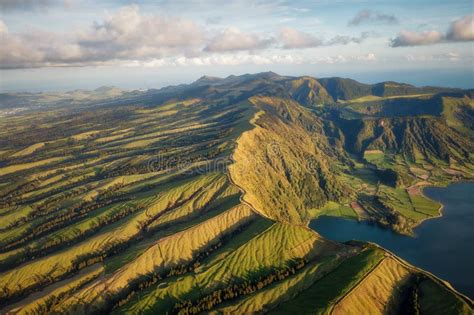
x: 68, y: 44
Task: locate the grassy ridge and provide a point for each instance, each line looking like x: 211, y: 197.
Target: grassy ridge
x: 374, y: 293
x: 274, y: 247
x: 318, y: 297
x: 298, y: 175
x: 127, y: 207
x: 171, y: 251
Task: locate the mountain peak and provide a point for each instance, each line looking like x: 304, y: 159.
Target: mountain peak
x: 268, y: 74
x: 207, y: 79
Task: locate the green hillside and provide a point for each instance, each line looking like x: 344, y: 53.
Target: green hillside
x: 197, y: 198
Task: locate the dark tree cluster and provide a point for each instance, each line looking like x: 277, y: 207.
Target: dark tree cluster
x: 236, y: 290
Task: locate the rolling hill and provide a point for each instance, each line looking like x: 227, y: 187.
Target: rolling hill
x: 197, y: 198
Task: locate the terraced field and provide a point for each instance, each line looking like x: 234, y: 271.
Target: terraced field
x: 196, y: 199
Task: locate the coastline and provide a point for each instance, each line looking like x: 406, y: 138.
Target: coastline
x: 381, y: 241
x: 441, y: 207
x: 418, y: 223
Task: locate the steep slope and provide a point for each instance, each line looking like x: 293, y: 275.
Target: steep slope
x: 459, y: 113
x: 171, y: 252
x: 427, y: 138
x: 347, y: 89
x: 396, y: 106
x: 308, y: 91
x: 285, y: 165
x: 405, y: 143
x: 394, y: 88
x: 344, y: 89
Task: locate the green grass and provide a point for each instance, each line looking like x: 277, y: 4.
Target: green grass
x: 334, y: 209
x: 24, y: 166
x: 117, y: 261
x: 425, y: 205
x: 371, y: 98
x: 261, y: 247
x: 161, y: 297
x: 280, y: 291
x: 414, y: 207
x: 451, y: 108
x: 318, y: 298
x: 399, y: 200
x: 373, y: 157
x: 381, y: 160
x: 435, y: 299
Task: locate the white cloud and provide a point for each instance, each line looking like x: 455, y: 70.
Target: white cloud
x: 125, y: 35
x: 232, y: 39
x: 409, y: 38
x: 291, y: 38
x: 462, y: 29
x: 21, y: 50
x: 445, y: 57
x: 345, y: 40
x: 452, y: 56
x: 368, y: 57
x: 129, y: 35
x: 329, y: 60
x: 237, y: 59
x: 218, y: 60
x: 459, y: 30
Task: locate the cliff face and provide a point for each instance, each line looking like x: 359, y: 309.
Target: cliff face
x: 286, y: 164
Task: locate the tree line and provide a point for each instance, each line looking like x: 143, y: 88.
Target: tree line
x: 237, y: 290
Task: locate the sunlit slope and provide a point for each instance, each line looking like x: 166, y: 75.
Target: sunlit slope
x: 375, y: 291
x: 308, y: 91
x: 275, y: 248
x: 57, y: 265
x: 175, y: 251
x: 373, y: 282
x: 108, y: 200
x: 285, y: 164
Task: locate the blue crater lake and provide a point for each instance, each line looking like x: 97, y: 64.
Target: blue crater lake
x: 443, y: 246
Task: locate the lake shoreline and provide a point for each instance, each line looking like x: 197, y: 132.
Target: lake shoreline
x: 441, y: 207
x: 439, y: 245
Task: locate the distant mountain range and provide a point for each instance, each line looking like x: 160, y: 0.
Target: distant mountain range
x: 308, y: 90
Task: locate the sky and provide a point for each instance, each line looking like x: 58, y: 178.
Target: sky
x: 59, y: 45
